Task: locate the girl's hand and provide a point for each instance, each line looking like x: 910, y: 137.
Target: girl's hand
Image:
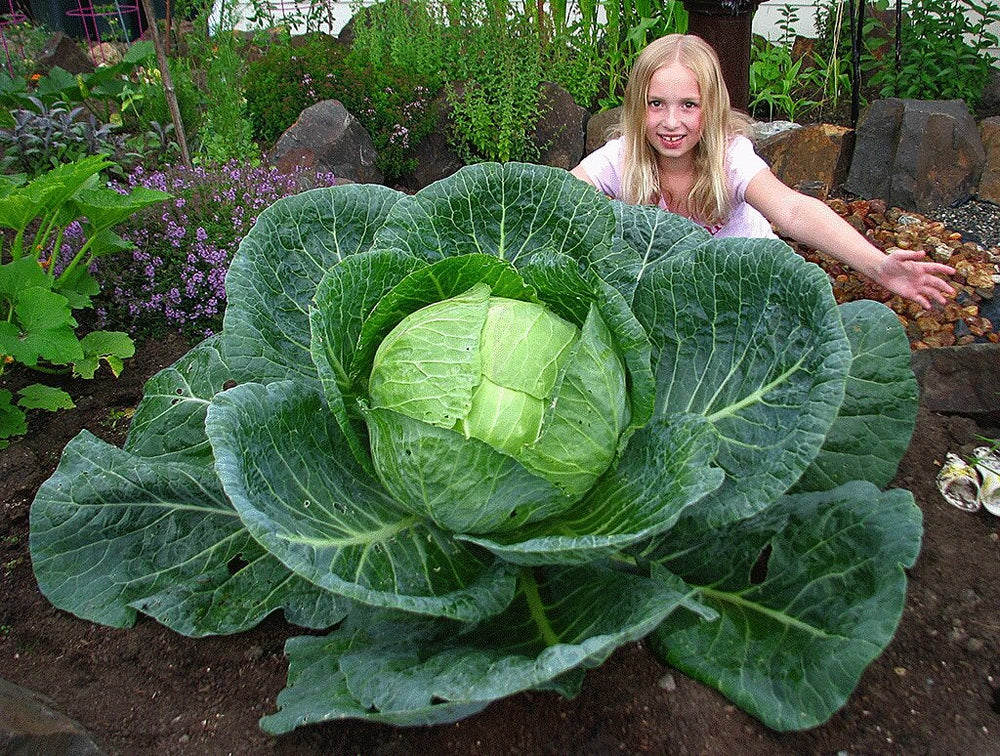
x: 907, y: 273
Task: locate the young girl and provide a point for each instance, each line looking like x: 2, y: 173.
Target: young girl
x: 683, y: 147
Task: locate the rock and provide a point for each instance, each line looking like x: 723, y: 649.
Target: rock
x: 816, y: 153
x: 600, y: 128
x: 29, y: 725
x: 961, y: 380
x: 766, y: 129
x: 106, y: 53
x: 916, y: 154
x: 989, y: 100
x: 989, y: 183
x: 328, y: 138
x: 561, y: 128
x: 435, y: 157
x: 66, y: 53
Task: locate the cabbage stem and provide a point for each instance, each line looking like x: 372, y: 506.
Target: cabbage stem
x: 536, y: 608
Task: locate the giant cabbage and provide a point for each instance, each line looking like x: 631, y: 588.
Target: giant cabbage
x: 667, y: 435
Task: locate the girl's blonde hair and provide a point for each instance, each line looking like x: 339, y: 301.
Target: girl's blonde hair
x: 708, y: 201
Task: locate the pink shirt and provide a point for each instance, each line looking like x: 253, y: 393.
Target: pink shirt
x: 604, y: 168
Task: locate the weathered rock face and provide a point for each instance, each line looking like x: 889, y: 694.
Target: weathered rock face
x: 916, y: 154
x: 989, y: 184
x: 600, y: 127
x: 560, y: 129
x: 435, y: 156
x: 328, y: 138
x: 816, y: 153
x: 65, y: 52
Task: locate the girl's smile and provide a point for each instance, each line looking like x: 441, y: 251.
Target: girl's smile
x: 673, y: 113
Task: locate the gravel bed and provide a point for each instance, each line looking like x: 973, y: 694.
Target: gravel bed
x: 976, y: 220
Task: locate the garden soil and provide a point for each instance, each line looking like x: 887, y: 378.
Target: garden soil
x: 146, y: 690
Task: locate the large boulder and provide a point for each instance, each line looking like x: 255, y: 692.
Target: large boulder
x: 328, y: 138
x: 818, y: 154
x: 66, y: 53
x: 989, y: 183
x: 434, y: 155
x: 601, y: 127
x: 560, y: 132
x: 916, y: 154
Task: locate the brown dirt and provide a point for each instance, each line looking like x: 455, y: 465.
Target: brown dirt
x: 147, y: 690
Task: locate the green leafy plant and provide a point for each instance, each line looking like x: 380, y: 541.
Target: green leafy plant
x: 44, y: 137
x: 39, y: 291
x: 944, y: 48
x: 774, y: 79
x: 494, y: 91
x: 676, y: 443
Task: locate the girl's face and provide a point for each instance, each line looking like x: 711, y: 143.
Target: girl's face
x: 673, y: 113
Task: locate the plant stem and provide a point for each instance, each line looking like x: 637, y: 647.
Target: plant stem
x: 536, y: 607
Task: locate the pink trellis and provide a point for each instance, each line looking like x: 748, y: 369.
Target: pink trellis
x: 9, y: 16
x: 112, y: 12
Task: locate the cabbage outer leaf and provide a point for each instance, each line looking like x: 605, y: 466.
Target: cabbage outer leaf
x: 278, y: 268
x: 876, y: 419
x: 790, y: 646
x: 286, y: 467
x: 112, y: 533
x: 415, y: 671
x: 746, y: 333
x: 513, y: 211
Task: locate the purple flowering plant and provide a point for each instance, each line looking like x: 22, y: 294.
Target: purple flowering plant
x: 174, y: 278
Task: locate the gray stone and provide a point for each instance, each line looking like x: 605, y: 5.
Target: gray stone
x: 960, y: 380
x: 916, y: 154
x: 560, y: 129
x: 989, y: 100
x: 66, y: 53
x: 328, y: 138
x: 989, y: 183
x: 29, y: 726
x: 435, y: 157
x: 601, y: 127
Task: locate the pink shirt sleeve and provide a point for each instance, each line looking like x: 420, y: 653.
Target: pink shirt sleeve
x: 604, y: 167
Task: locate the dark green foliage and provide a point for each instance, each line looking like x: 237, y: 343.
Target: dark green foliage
x: 44, y: 136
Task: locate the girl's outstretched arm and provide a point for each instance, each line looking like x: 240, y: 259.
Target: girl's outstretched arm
x: 812, y: 222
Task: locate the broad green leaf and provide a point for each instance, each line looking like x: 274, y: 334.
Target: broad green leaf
x: 19, y: 275
x: 43, y: 329
x: 40, y: 396
x: 808, y: 593
x: 416, y: 671
x: 647, y: 234
x: 285, y: 465
x: 78, y: 286
x: 278, y: 267
x: 511, y: 211
x: 666, y: 469
x: 104, y: 207
x: 878, y: 414
x: 12, y: 421
x: 113, y: 347
x: 169, y: 422
x: 113, y: 533
x: 746, y: 333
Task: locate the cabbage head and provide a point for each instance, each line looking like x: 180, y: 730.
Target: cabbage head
x: 477, y: 438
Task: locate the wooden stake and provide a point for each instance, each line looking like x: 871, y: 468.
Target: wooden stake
x: 168, y: 82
